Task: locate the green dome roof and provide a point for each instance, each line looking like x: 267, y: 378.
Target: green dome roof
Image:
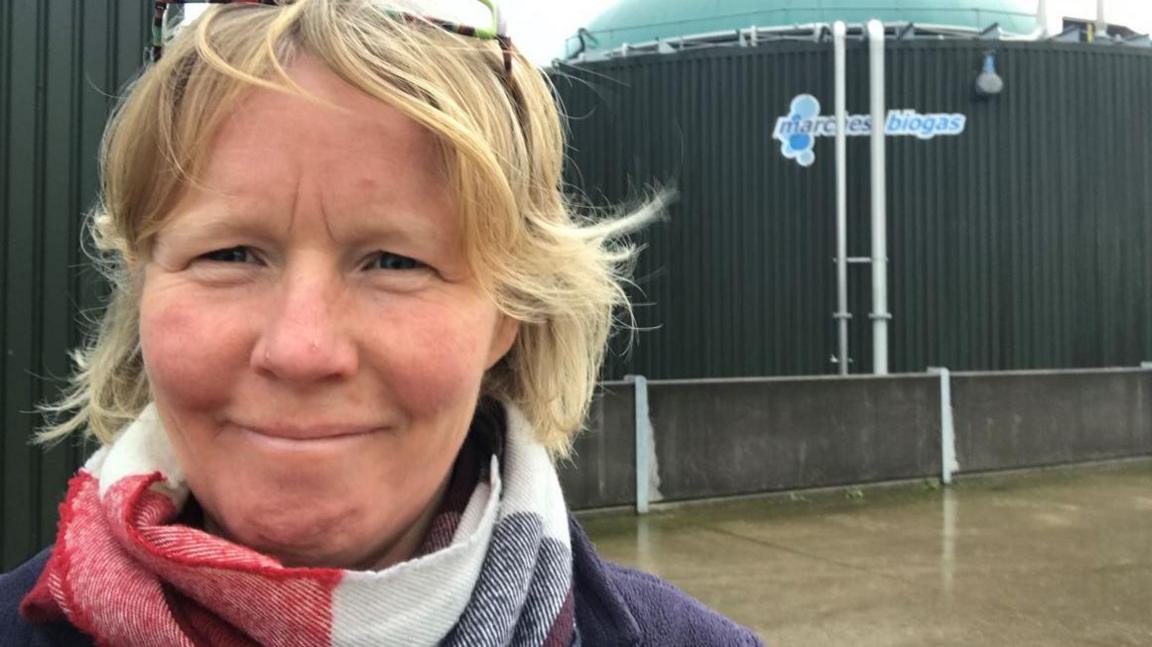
x: 638, y: 21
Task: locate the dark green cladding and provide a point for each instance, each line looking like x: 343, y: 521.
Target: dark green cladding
x: 62, y: 63
x: 1026, y: 242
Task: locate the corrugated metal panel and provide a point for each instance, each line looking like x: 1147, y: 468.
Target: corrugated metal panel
x: 61, y: 64
x: 1023, y: 243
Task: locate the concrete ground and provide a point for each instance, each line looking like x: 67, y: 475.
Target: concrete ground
x: 1053, y: 558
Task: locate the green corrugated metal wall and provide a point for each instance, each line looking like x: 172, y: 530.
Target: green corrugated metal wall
x: 1026, y: 242
x: 61, y: 65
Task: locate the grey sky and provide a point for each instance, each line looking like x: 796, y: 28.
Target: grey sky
x: 539, y: 27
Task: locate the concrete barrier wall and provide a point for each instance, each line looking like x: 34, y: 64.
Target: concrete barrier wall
x: 601, y: 472
x: 723, y: 438
x: 1029, y: 419
x: 728, y: 437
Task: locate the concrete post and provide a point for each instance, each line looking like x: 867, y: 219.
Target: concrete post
x: 948, y: 462
x: 643, y: 427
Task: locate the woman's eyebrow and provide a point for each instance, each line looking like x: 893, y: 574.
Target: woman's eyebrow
x: 386, y: 225
x: 364, y: 226
x: 205, y: 224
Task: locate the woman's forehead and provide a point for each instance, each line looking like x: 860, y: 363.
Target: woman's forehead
x: 335, y: 121
x: 356, y: 163
x: 341, y: 147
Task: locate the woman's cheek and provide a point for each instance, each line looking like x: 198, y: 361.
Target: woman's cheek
x: 434, y: 361
x: 191, y: 359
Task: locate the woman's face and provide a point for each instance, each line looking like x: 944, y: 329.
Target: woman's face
x: 311, y: 333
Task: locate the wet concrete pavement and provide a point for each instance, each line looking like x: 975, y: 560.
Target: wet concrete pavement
x: 1054, y: 558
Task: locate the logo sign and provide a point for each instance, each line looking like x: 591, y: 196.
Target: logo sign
x: 798, y: 131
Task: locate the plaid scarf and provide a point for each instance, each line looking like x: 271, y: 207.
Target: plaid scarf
x: 495, y: 567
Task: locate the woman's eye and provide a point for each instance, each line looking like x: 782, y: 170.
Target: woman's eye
x: 390, y: 261
x: 238, y: 254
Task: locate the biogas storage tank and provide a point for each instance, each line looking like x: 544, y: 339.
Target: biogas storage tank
x: 631, y: 22
x: 1016, y: 165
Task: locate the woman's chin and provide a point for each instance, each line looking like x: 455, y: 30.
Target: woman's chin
x: 311, y: 534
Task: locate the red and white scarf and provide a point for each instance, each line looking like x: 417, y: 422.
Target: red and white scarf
x: 496, y: 568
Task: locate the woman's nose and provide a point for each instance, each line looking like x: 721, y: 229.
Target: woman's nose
x: 305, y: 335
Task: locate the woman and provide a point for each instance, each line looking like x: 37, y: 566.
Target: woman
x: 353, y: 322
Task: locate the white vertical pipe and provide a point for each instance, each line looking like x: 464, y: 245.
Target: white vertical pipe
x: 880, y: 315
x: 1101, y: 20
x: 1042, y: 19
x: 839, y: 30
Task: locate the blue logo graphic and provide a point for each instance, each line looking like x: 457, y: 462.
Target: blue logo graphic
x: 795, y: 144
x: 797, y: 132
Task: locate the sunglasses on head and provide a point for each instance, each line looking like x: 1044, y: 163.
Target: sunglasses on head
x: 494, y: 31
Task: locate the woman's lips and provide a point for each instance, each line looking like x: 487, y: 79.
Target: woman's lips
x: 325, y: 432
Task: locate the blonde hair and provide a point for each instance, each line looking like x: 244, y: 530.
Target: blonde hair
x: 559, y: 274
